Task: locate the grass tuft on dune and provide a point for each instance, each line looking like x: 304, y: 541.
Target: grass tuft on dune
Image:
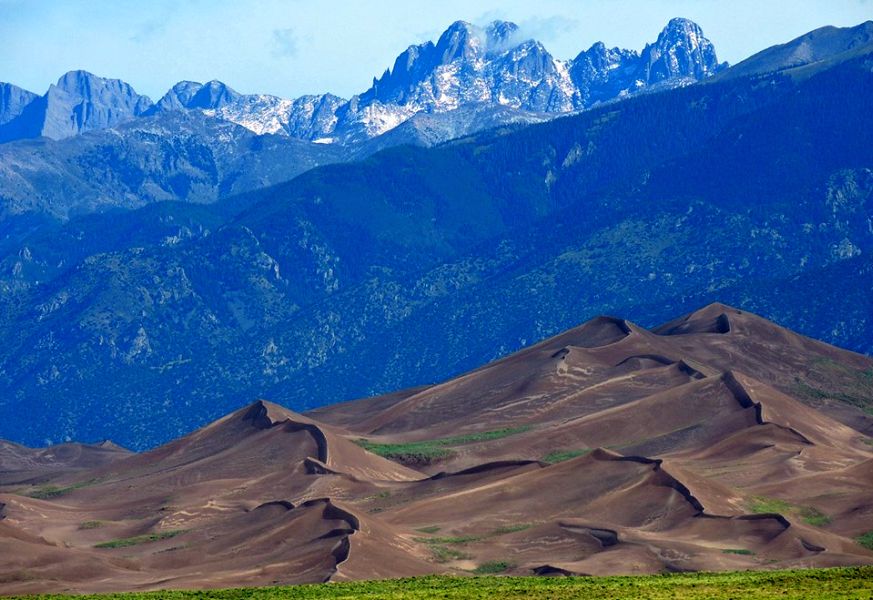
x: 430, y: 451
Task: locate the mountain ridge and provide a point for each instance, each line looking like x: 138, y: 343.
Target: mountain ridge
x: 820, y: 44
x: 467, y: 65
x: 78, y: 102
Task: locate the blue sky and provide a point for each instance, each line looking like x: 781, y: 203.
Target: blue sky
x: 293, y: 47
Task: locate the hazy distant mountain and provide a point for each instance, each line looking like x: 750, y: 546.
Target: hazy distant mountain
x: 467, y: 66
x: 194, y: 95
x: 13, y: 100
x: 79, y: 102
x: 821, y: 44
x: 471, y: 79
x: 308, y: 117
x: 177, y: 155
x: 178, y: 97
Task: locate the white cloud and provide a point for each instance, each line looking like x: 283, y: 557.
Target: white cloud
x: 285, y: 42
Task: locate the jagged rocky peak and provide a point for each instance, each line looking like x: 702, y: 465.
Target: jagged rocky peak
x: 501, y: 36
x: 178, y: 97
x: 598, y: 58
x: 80, y: 101
x: 314, y: 116
x: 192, y: 94
x: 113, y: 93
x: 527, y: 77
x: 461, y: 40
x: 412, y: 65
x: 468, y: 64
x: 13, y: 101
x: 681, y: 54
x: 213, y: 94
x: 494, y: 65
x: 530, y: 56
x: 311, y: 117
x: 681, y: 50
x: 497, y: 64
x: 463, y: 44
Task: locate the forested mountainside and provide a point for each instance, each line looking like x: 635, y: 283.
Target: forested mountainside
x: 142, y: 323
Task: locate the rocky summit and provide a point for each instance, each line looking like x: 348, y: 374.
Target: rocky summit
x: 468, y: 65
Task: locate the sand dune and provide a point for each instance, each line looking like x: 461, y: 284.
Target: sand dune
x: 716, y: 441
x: 19, y: 464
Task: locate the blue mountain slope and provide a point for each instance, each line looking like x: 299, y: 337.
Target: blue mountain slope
x: 333, y: 285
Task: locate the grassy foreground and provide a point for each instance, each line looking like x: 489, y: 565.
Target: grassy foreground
x: 853, y: 582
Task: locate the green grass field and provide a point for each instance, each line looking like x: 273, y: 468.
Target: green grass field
x: 855, y: 582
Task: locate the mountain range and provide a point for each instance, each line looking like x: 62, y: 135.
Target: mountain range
x: 128, y: 315
x: 495, y: 65
x: 607, y: 449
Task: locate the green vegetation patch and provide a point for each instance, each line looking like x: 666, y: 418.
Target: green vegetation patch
x: 493, y: 567
x: 853, y: 387
x: 866, y: 540
x: 442, y: 550
x: 430, y: 451
x: 811, y: 516
x: 467, y: 539
x: 141, y: 539
x: 91, y: 524
x: 562, y: 455
x: 742, y: 551
x: 762, y: 505
x: 814, y: 517
x: 843, y: 583
x: 461, y: 539
x: 412, y: 453
x: 47, y: 492
x: 444, y: 554
x: 429, y: 529
x: 483, y: 436
x: 511, y: 528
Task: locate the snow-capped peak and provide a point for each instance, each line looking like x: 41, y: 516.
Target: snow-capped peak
x: 467, y: 65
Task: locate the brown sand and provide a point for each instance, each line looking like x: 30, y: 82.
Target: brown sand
x: 685, y: 433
